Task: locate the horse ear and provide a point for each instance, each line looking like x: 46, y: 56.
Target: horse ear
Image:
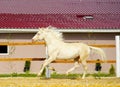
x: 49, y: 27
x: 40, y: 29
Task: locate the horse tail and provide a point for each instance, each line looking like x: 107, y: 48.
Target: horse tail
x: 99, y: 51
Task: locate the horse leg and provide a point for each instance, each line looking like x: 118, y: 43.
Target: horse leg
x: 45, y: 64
x: 84, y: 63
x: 76, y: 65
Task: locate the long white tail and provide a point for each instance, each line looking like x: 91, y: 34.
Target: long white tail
x: 99, y: 51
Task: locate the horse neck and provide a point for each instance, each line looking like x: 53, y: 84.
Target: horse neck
x: 52, y: 40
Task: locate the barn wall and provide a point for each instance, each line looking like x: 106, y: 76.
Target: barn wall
x: 36, y: 51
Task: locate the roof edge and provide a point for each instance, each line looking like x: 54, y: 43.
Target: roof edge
x: 90, y: 30
x: 62, y: 30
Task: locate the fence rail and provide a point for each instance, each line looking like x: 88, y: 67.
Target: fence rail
x: 43, y: 43
x: 22, y: 43
x: 56, y: 61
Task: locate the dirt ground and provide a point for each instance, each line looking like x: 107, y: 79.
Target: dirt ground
x: 37, y: 82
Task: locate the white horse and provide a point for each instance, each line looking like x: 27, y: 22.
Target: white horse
x: 58, y: 49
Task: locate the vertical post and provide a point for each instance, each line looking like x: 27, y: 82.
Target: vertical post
x: 117, y: 38
x: 47, y: 67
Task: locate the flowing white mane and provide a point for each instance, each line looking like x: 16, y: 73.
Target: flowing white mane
x: 55, y: 32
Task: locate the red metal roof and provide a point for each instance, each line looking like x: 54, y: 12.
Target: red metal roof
x: 59, y: 20
x: 60, y: 13
x: 59, y: 6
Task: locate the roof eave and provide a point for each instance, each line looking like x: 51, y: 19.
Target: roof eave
x: 62, y: 30
x: 90, y: 30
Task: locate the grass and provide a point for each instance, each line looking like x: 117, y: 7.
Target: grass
x: 60, y: 76
x: 18, y: 75
x: 64, y: 76
x: 73, y: 76
x: 103, y: 75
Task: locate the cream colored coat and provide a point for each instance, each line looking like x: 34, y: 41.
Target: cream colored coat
x: 58, y: 49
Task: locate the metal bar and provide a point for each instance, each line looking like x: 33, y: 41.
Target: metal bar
x: 61, y: 30
x: 117, y: 38
x: 47, y: 67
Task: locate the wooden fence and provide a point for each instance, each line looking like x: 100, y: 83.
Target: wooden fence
x: 56, y: 61
x: 43, y: 43
x: 21, y: 43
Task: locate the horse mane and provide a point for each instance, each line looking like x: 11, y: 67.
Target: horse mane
x: 55, y: 32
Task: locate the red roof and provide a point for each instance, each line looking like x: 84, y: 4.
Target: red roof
x: 60, y: 13
x: 59, y: 21
x: 59, y: 6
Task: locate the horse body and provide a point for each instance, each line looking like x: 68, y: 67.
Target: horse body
x: 70, y: 50
x: 58, y: 49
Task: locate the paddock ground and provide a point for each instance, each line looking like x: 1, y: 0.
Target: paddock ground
x: 37, y: 82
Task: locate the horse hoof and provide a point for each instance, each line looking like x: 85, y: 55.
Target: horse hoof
x: 83, y: 77
x: 38, y: 75
x: 67, y: 73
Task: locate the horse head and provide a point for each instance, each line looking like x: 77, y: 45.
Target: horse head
x: 39, y: 35
x: 48, y: 33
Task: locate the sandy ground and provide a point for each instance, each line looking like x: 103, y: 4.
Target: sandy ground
x: 37, y: 82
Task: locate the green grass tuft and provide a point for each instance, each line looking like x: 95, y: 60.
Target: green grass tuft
x: 60, y: 76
